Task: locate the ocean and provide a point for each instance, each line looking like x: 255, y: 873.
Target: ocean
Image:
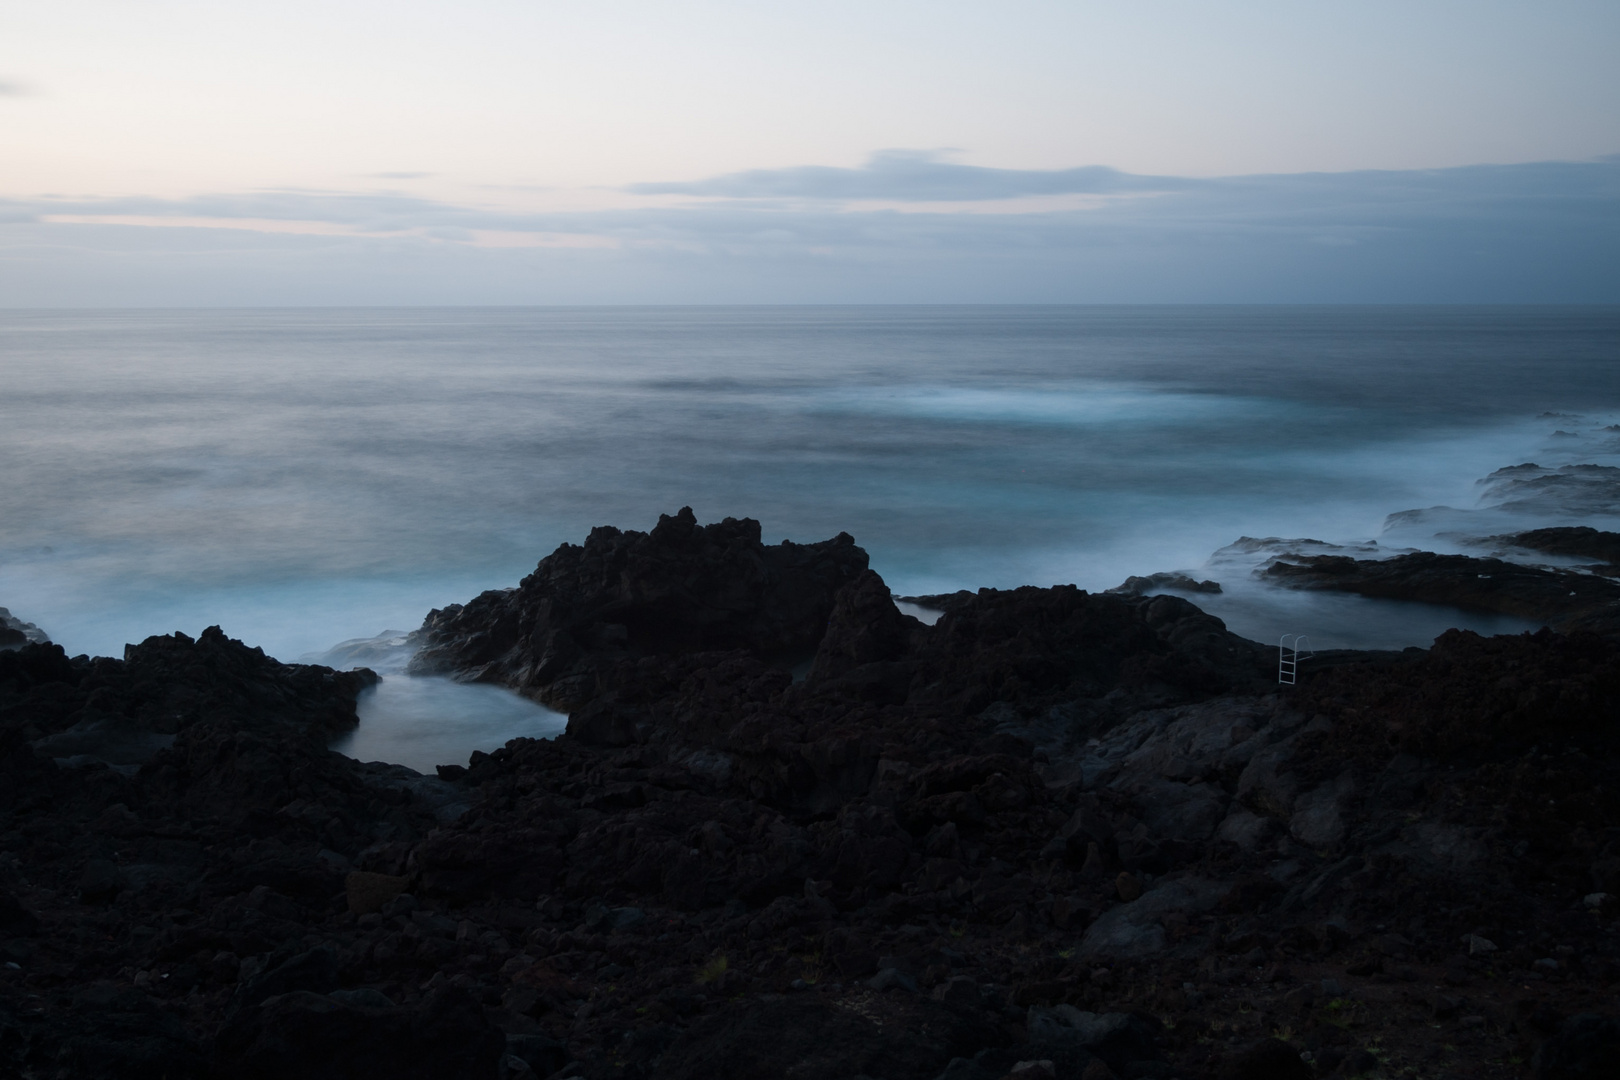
x: 303, y: 477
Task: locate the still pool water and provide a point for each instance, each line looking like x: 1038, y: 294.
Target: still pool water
x: 426, y: 722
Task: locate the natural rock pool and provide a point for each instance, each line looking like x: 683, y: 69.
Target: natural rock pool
x: 423, y: 722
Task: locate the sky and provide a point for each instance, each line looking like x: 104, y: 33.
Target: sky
x: 174, y: 152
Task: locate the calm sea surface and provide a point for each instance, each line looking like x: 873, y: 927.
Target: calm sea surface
x: 305, y: 476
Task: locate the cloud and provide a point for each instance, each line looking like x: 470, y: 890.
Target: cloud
x: 1543, y: 232
x: 357, y: 212
x: 358, y: 216
x: 400, y: 175
x: 913, y: 175
x: 13, y: 88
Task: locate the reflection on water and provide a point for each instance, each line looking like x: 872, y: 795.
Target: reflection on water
x: 421, y: 723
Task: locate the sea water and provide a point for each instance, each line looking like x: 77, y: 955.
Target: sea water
x: 301, y: 477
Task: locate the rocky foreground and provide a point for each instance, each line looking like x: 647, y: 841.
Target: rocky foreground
x: 794, y: 833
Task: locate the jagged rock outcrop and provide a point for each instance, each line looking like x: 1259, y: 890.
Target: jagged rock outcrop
x: 1028, y: 656
x: 1137, y: 585
x: 1578, y: 541
x: 1555, y: 492
x: 14, y: 633
x: 190, y: 776
x: 1053, y: 835
x: 683, y: 587
x: 124, y: 712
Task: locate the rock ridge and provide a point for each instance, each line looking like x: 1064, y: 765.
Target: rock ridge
x: 682, y: 587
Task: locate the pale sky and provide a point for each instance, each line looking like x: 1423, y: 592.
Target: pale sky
x: 659, y: 131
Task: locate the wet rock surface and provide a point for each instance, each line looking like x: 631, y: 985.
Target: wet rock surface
x: 1053, y: 835
x: 14, y: 633
x: 1574, y: 542
x: 1565, y: 600
x: 1581, y: 489
x: 1137, y: 585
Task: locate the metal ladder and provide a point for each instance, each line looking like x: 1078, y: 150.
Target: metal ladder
x: 1289, y: 656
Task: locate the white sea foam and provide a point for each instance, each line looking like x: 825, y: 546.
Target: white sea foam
x: 1088, y: 404
x: 301, y: 478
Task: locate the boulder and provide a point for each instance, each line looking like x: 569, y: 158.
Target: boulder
x: 1133, y: 931
x: 1321, y: 816
x: 367, y: 892
x: 1179, y: 811
x: 1068, y: 1037
x: 1246, y: 829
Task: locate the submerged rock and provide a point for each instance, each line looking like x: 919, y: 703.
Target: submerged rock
x: 1577, y: 542
x: 1555, y: 492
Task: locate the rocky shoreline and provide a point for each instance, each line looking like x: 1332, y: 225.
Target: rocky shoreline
x: 794, y: 832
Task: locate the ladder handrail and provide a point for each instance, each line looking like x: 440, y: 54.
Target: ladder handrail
x: 1288, y: 666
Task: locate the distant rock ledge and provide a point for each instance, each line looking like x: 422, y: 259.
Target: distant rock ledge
x: 14, y: 633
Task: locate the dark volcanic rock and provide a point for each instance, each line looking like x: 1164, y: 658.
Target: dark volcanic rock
x: 303, y: 1035
x: 124, y: 712
x: 1053, y: 834
x: 808, y: 1038
x: 102, y: 1031
x: 1568, y: 489
x: 683, y: 587
x: 1588, y: 1045
x: 315, y: 971
x: 1580, y: 542
x: 1567, y: 601
x: 14, y: 633
x: 864, y: 628
x: 14, y: 918
x: 1473, y: 694
x: 1269, y: 1059
x: 1137, y: 585
x: 1034, y: 648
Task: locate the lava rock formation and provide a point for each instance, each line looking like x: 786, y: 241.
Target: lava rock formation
x: 793, y: 832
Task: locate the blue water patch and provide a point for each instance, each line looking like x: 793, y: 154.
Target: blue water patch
x: 1342, y: 621
x: 424, y: 722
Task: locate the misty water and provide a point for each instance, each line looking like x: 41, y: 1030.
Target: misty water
x: 305, y: 477
x: 423, y: 722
